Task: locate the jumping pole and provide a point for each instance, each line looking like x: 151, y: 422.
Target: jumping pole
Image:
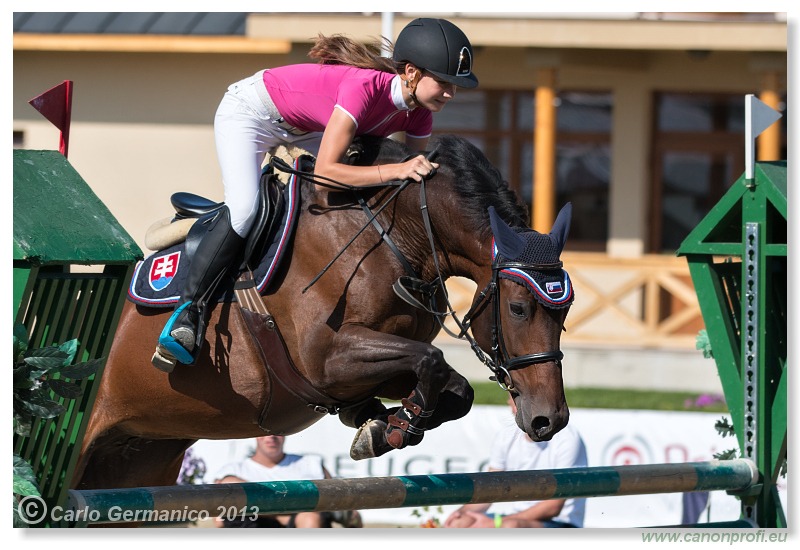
x: 273, y: 497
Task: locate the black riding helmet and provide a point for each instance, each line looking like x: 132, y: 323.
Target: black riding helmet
x: 439, y: 47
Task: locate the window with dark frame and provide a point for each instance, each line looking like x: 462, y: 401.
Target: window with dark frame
x: 501, y: 123
x: 698, y: 153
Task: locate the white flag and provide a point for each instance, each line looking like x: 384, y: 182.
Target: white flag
x: 758, y: 117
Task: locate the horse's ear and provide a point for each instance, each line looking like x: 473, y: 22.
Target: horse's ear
x: 561, y: 226
x: 509, y: 244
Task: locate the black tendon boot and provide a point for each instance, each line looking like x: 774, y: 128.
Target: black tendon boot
x: 183, y: 334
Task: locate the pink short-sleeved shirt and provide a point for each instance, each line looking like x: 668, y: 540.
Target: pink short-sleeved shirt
x: 306, y: 94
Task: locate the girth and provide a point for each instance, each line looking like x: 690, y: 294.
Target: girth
x: 293, y: 403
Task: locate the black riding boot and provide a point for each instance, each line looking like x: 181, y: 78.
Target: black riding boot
x: 183, y: 334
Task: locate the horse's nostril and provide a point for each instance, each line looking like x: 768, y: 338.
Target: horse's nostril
x: 541, y: 424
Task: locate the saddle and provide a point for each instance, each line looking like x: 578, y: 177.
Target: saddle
x: 293, y: 403
x: 158, y: 280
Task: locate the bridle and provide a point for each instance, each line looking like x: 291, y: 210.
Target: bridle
x: 500, y: 363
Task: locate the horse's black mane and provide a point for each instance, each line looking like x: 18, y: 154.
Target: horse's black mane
x: 478, y: 182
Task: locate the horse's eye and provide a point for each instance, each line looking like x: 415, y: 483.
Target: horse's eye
x: 517, y: 309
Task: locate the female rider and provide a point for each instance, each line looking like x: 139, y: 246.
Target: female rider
x: 319, y: 107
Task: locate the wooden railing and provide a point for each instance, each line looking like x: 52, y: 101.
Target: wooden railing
x: 638, y: 302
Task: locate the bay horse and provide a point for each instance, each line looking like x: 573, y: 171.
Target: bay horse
x: 351, y: 338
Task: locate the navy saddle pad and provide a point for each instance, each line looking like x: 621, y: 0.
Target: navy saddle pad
x: 159, y: 278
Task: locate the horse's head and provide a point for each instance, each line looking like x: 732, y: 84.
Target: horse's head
x: 520, y: 305
x: 527, y: 302
x: 518, y: 316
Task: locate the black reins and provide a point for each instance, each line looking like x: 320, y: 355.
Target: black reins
x: 323, y: 181
x: 501, y: 364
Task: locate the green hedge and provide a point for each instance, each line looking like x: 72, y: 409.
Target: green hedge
x: 489, y: 393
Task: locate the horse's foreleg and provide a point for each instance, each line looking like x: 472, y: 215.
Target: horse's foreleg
x: 455, y: 401
x: 363, y: 356
x: 452, y: 402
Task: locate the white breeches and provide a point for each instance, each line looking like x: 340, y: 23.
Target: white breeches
x: 245, y: 131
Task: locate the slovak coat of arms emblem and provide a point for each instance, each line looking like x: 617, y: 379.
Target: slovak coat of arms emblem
x: 163, y: 270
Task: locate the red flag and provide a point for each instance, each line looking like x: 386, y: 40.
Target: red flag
x: 56, y: 106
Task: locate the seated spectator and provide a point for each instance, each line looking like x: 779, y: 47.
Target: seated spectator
x: 270, y: 463
x: 512, y: 449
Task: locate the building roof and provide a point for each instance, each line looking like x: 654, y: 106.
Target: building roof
x: 276, y: 32
x: 180, y: 23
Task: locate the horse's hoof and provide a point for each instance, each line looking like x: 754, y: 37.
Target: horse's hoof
x: 163, y: 360
x: 370, y: 440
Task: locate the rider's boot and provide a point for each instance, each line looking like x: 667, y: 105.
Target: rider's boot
x: 183, y: 333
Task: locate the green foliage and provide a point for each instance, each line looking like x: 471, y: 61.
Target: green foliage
x: 38, y: 374
x: 704, y: 344
x: 725, y: 429
x: 24, y: 480
x: 729, y: 454
x: 34, y: 379
x: 431, y: 521
x: 489, y: 393
x: 24, y: 485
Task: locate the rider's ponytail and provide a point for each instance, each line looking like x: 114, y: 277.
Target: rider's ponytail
x: 341, y: 50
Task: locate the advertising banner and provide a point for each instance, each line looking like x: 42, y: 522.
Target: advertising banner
x: 612, y: 437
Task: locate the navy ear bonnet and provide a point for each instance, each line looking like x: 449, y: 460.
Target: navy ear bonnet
x: 550, y: 286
